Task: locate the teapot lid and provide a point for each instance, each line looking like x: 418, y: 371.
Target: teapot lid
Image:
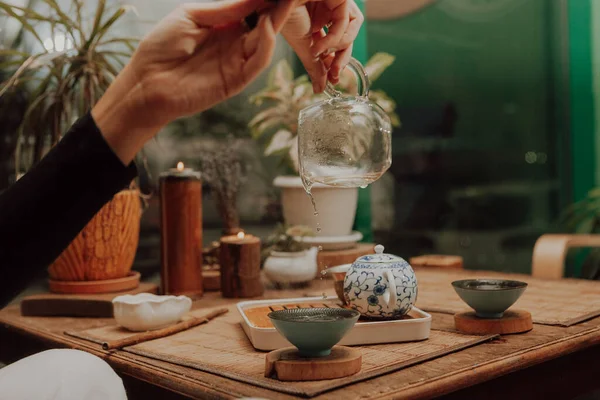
x: 380, y: 257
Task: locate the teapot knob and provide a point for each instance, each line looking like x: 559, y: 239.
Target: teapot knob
x: 379, y: 249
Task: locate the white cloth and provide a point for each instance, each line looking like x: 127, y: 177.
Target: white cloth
x: 61, y: 375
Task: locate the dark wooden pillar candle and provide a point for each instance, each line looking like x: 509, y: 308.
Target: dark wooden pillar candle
x: 240, y: 266
x: 181, y: 232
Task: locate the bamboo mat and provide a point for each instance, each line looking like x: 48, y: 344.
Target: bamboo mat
x: 562, y: 302
x: 222, y: 348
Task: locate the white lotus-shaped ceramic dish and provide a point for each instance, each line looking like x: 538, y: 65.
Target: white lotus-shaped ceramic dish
x: 146, y: 312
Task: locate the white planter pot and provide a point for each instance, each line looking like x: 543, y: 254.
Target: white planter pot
x: 292, y: 267
x: 336, y: 206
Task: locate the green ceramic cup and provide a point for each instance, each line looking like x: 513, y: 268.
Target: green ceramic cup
x: 489, y: 297
x: 314, y: 331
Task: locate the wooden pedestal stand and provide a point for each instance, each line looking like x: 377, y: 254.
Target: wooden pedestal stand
x: 436, y: 260
x: 287, y: 365
x: 332, y: 258
x: 516, y: 321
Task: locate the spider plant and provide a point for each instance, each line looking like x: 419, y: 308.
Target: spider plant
x: 276, y: 126
x: 64, y: 74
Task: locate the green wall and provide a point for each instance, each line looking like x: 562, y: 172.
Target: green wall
x: 496, y: 71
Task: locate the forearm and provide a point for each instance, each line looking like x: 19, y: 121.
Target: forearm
x: 123, y: 118
x: 42, y: 212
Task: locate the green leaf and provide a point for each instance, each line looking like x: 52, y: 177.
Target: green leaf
x: 110, y: 22
x: 97, y: 21
x: 267, y: 94
x: 13, y: 53
x: 22, y: 20
x: 67, y: 22
x: 266, y: 126
x: 378, y: 64
x: 273, y: 112
x: 281, y: 75
x: 127, y: 42
x: 280, y: 142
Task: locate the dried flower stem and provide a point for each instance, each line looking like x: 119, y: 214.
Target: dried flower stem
x: 222, y: 170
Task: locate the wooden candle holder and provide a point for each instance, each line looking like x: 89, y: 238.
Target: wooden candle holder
x: 181, y: 232
x: 239, y: 257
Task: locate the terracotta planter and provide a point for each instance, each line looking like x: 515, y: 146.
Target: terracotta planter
x: 106, y: 247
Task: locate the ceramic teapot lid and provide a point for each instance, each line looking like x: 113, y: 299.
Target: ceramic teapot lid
x: 379, y: 257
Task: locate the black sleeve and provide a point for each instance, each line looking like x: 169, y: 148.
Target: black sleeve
x: 44, y: 210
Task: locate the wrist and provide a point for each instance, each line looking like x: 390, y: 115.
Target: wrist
x: 121, y: 116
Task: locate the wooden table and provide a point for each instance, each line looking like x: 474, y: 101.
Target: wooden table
x: 548, y: 362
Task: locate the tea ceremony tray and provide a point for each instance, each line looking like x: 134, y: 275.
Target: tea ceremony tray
x: 263, y: 336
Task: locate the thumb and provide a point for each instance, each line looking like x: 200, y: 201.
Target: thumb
x: 221, y: 12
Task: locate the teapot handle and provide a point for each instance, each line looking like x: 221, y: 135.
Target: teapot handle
x: 391, y: 287
x: 363, y: 80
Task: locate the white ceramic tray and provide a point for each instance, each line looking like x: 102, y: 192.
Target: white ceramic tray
x: 404, y: 330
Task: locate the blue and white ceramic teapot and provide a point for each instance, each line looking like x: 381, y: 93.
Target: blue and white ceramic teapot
x: 381, y: 285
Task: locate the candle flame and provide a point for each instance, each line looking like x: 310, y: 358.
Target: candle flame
x: 241, y: 235
x: 180, y: 166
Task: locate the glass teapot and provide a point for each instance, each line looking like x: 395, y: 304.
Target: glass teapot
x: 344, y: 140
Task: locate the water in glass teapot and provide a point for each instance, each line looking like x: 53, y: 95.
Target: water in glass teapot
x: 344, y: 141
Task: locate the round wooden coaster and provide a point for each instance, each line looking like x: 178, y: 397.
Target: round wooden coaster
x: 287, y: 365
x: 515, y: 321
x: 129, y: 282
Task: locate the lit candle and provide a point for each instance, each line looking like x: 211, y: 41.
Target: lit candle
x: 181, y: 172
x: 239, y: 257
x: 181, y: 231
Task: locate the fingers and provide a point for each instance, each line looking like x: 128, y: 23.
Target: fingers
x: 280, y: 14
x: 339, y: 19
x: 221, y: 12
x: 342, y: 58
x: 320, y: 16
x: 298, y: 35
x: 356, y: 21
x: 265, y: 46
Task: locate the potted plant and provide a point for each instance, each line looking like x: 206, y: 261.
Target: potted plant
x: 64, y: 75
x: 276, y: 128
x: 288, y: 261
x: 583, y: 217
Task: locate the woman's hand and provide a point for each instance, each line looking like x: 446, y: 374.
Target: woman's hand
x: 198, y: 56
x: 324, y: 55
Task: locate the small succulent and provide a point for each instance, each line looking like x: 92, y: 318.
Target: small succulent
x: 283, y: 239
x: 276, y: 126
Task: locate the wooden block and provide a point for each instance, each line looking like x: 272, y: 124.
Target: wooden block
x: 211, y: 279
x: 287, y: 365
x: 76, y: 305
x: 516, y: 321
x: 327, y: 259
x: 436, y: 260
